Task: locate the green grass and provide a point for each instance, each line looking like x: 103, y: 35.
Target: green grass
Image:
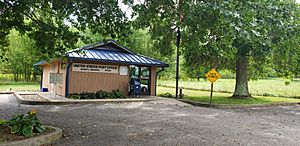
x: 225, y: 98
x: 6, y: 83
x: 19, y: 86
x: 274, y: 87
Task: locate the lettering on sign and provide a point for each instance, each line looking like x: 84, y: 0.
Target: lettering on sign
x: 212, y: 75
x: 95, y: 68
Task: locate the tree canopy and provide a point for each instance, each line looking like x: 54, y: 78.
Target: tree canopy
x: 48, y: 22
x: 226, y: 34
x: 249, y: 37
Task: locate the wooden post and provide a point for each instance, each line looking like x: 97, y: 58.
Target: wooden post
x: 180, y: 93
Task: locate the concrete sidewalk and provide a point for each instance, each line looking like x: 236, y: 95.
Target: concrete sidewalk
x: 50, y: 98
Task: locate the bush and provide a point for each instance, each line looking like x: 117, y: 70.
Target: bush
x: 287, y: 82
x: 98, y: 95
x: 227, y: 74
x: 102, y: 94
x: 117, y: 94
x: 2, y: 122
x: 167, y: 95
x: 74, y: 96
x: 87, y: 95
x: 26, y: 124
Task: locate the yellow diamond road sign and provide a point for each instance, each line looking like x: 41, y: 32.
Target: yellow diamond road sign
x: 212, y: 75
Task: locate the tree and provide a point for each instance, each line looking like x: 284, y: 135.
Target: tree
x: 21, y: 55
x: 224, y: 32
x: 48, y: 22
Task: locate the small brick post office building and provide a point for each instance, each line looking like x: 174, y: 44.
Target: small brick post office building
x: 104, y: 66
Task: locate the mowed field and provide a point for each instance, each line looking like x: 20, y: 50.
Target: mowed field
x: 271, y: 87
x: 225, y: 98
x: 19, y: 86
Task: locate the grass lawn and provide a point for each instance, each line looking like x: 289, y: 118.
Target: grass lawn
x: 225, y: 98
x: 19, y: 86
x: 259, y: 87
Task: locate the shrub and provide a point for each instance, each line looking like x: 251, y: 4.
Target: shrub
x: 167, y: 95
x: 117, y: 94
x: 26, y: 124
x: 287, y: 81
x: 2, y: 122
x: 227, y: 74
x: 74, y: 96
x: 102, y: 94
x: 98, y: 95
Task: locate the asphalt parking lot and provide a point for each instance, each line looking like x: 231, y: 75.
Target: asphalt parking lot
x: 164, y: 122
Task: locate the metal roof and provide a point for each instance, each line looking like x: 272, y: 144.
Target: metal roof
x: 43, y: 62
x: 112, y: 52
x: 106, y: 55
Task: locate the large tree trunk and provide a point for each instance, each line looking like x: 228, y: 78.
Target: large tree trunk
x: 241, y: 84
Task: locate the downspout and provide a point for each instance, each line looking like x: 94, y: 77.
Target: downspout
x: 69, y: 63
x: 41, y: 82
x: 156, y: 79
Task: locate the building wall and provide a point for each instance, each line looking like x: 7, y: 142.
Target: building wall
x: 153, y: 79
x: 61, y: 88
x: 46, y: 72
x: 92, y: 82
x: 54, y: 67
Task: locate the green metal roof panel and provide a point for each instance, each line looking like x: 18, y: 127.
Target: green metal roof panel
x: 115, y: 56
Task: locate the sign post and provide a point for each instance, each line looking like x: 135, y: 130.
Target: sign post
x: 212, y: 76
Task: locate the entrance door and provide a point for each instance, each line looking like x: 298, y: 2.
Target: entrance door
x: 142, y: 73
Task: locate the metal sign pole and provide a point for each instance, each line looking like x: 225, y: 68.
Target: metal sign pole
x: 211, y: 93
x: 177, y: 60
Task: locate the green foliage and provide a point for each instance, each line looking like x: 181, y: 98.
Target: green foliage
x: 49, y: 23
x: 167, y: 95
x: 87, y: 95
x: 227, y: 74
x: 237, y: 27
x: 25, y: 124
x: 287, y: 81
x: 222, y: 33
x: 2, y: 122
x: 159, y: 17
x: 102, y: 94
x: 140, y: 42
x: 114, y: 94
x: 74, y: 96
x: 117, y: 94
x: 21, y: 55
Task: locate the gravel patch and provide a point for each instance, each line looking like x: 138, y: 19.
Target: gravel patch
x: 32, y: 97
x: 162, y: 123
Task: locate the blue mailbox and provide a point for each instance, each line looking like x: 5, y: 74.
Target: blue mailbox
x: 135, y: 87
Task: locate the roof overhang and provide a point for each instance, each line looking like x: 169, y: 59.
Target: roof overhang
x: 41, y: 63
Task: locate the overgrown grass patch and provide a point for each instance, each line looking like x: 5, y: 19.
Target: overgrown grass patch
x: 225, y: 98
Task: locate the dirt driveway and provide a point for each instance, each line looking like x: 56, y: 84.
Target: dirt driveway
x: 164, y: 122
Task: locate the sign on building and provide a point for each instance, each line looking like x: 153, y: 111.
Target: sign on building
x: 94, y: 68
x: 56, y: 78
